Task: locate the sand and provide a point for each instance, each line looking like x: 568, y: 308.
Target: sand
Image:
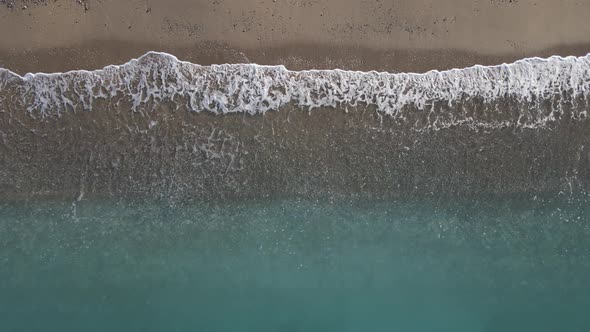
x: 416, y: 35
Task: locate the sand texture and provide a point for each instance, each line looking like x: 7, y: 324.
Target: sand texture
x: 414, y: 35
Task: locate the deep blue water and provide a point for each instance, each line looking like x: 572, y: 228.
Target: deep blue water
x: 487, y: 264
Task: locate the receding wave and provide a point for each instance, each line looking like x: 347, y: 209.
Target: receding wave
x: 537, y: 90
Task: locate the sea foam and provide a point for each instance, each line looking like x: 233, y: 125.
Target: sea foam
x: 256, y: 89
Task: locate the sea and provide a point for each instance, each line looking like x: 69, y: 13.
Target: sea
x: 161, y: 195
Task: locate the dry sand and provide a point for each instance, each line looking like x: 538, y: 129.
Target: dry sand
x: 402, y: 35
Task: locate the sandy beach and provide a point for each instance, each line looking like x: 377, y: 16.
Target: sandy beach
x: 362, y: 35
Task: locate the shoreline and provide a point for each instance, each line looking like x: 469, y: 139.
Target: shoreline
x: 296, y: 57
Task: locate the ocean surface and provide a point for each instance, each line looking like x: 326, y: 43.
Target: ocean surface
x: 496, y: 264
x: 160, y: 195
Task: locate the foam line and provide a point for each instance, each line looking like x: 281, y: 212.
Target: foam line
x: 256, y: 89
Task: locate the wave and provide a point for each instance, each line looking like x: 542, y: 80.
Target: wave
x: 445, y: 98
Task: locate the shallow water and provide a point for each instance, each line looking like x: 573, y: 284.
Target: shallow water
x: 487, y: 264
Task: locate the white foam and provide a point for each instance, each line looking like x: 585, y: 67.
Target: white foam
x: 254, y: 89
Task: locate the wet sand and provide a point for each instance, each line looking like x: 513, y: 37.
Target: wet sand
x: 301, y: 56
x: 290, y: 153
x: 361, y: 35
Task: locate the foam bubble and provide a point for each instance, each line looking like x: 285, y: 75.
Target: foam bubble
x: 255, y: 89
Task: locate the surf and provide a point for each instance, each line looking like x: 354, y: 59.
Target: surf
x: 456, y: 97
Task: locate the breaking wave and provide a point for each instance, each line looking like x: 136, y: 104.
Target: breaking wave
x: 534, y: 91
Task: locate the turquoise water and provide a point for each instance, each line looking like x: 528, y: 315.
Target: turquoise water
x: 493, y: 264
